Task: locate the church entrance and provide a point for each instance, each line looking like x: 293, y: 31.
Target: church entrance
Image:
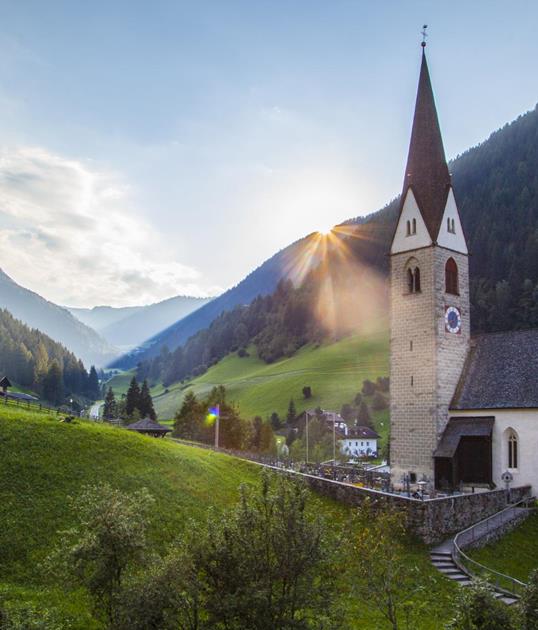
x: 464, y: 454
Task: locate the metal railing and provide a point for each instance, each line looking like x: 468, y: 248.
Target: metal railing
x: 480, y: 530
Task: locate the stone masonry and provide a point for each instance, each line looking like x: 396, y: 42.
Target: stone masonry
x: 426, y: 360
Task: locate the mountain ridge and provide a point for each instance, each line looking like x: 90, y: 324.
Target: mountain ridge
x: 54, y: 321
x: 496, y: 188
x: 126, y: 327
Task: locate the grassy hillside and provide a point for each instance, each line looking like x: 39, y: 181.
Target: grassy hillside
x: 334, y: 371
x: 516, y: 554
x: 43, y: 462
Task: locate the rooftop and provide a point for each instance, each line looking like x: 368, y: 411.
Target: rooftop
x: 501, y: 372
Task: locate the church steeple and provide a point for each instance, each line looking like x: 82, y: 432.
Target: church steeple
x: 427, y: 171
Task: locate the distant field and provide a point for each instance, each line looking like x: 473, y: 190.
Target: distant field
x: 334, y: 372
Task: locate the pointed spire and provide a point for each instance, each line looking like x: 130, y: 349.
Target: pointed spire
x: 427, y: 171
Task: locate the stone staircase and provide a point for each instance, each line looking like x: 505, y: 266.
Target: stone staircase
x: 450, y: 559
x: 441, y: 558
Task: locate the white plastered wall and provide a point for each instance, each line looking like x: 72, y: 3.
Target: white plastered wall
x: 402, y: 242
x: 455, y: 240
x: 525, y: 424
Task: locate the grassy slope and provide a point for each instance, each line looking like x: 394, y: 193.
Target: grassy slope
x: 516, y: 554
x: 42, y: 462
x: 334, y: 371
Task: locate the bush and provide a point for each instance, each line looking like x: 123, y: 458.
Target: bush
x: 477, y: 609
x: 242, y: 353
x: 379, y: 402
x: 307, y: 391
x: 368, y: 388
x: 383, y: 384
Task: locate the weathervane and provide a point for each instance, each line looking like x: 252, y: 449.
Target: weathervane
x: 424, y: 35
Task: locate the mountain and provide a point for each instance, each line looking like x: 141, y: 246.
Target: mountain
x: 100, y: 317
x: 34, y: 361
x: 496, y: 188
x: 54, y: 321
x: 260, y: 282
x: 130, y: 326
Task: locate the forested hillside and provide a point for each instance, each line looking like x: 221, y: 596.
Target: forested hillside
x: 34, y: 361
x: 55, y: 321
x: 496, y: 187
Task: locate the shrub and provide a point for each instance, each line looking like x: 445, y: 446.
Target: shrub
x: 379, y: 402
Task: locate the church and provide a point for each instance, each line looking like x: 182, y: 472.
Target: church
x: 464, y: 409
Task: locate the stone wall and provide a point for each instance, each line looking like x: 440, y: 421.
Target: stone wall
x: 433, y: 520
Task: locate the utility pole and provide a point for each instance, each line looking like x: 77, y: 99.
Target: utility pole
x: 306, y: 417
x: 334, y: 443
x: 217, y: 422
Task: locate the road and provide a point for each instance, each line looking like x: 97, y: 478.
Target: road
x: 94, y: 410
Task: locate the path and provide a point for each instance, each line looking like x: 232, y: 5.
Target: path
x: 94, y: 410
x: 449, y: 559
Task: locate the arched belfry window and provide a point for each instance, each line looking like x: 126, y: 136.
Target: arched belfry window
x: 408, y: 225
x: 412, y: 275
x: 512, y: 450
x: 451, y: 277
x: 414, y: 227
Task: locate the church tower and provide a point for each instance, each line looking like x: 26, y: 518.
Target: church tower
x: 430, y: 319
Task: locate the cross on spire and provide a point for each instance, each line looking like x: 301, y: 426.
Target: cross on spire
x: 424, y: 35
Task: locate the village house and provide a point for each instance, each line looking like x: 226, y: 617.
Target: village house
x: 359, y: 442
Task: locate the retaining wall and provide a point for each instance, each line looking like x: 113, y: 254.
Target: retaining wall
x: 432, y: 520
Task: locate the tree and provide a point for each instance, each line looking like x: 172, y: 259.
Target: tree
x: 383, y: 383
x: 368, y: 388
x: 132, y: 400
x: 188, y: 420
x: 108, y: 540
x: 275, y: 421
x: 477, y: 608
x: 528, y: 604
x: 379, y: 401
x: 347, y: 412
x: 93, y: 384
x: 364, y: 419
x: 307, y: 391
x: 292, y: 412
x: 281, y: 577
x: 110, y: 407
x: 53, y: 385
x: 145, y: 402
x: 379, y: 570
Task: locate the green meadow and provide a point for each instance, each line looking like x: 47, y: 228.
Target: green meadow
x: 334, y: 371
x: 43, y: 462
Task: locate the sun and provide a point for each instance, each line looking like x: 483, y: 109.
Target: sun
x: 325, y: 230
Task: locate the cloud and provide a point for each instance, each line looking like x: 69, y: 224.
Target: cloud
x: 71, y: 232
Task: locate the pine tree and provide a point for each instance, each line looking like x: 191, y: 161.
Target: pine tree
x: 145, y: 403
x: 132, y: 400
x: 189, y: 419
x: 364, y: 419
x: 53, y: 387
x: 292, y: 412
x: 93, y: 384
x: 110, y: 408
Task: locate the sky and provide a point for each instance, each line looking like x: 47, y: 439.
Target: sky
x: 150, y: 149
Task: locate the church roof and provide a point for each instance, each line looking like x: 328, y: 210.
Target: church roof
x: 500, y: 372
x: 427, y: 171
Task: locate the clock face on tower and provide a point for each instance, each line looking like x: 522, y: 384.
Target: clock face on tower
x: 452, y: 320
